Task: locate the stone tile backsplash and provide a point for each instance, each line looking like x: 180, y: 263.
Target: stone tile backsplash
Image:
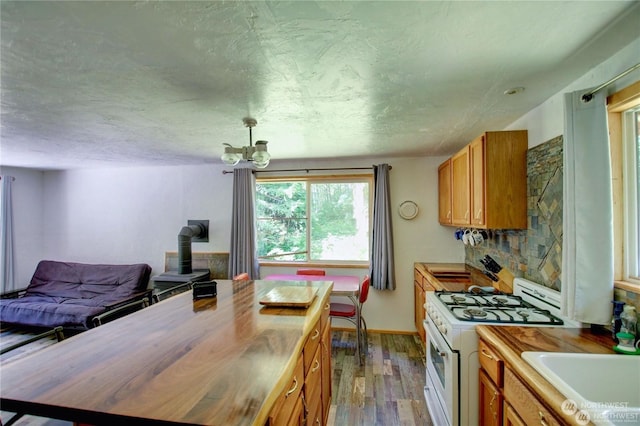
x: 535, y: 253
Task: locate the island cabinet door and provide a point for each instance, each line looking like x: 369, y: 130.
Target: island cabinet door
x: 284, y: 410
x: 313, y: 381
x: 325, y: 347
x: 310, y: 347
x: 298, y: 416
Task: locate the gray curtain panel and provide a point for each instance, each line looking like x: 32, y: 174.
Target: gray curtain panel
x: 7, y: 262
x: 243, y: 251
x: 587, y: 221
x: 382, y: 268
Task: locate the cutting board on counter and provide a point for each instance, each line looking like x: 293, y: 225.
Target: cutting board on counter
x: 290, y: 297
x: 449, y: 268
x: 454, y: 272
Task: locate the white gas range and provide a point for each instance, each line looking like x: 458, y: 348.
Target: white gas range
x: 451, y: 390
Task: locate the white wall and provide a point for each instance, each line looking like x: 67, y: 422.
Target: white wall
x: 27, y: 196
x: 547, y: 120
x: 134, y: 215
x: 130, y: 215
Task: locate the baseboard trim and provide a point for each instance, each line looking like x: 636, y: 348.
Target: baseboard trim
x: 370, y: 330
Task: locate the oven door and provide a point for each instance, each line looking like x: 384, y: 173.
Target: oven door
x: 441, y: 390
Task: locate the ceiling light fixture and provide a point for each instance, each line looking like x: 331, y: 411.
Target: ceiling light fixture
x: 256, y: 153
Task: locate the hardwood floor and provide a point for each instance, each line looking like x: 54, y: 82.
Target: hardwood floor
x: 387, y: 390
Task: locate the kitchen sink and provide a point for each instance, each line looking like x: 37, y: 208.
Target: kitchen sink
x: 604, y: 387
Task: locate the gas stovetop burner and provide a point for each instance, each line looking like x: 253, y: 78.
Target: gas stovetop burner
x: 458, y: 299
x: 474, y: 313
x: 494, y: 308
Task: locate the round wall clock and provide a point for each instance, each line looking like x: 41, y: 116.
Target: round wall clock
x: 408, y: 210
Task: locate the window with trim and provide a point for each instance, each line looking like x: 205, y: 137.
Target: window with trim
x: 314, y: 219
x: 624, y: 128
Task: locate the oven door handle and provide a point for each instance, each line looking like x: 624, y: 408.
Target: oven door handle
x: 435, y: 333
x: 438, y: 350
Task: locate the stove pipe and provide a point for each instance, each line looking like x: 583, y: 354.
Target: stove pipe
x: 184, y: 246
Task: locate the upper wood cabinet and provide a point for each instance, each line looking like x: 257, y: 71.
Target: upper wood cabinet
x: 476, y: 154
x: 488, y: 182
x: 460, y: 195
x: 444, y: 192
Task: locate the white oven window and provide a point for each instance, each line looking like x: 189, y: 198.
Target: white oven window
x: 437, y: 361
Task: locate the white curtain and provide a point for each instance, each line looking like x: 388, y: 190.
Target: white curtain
x: 7, y: 262
x: 243, y: 251
x: 382, y: 267
x: 587, y: 243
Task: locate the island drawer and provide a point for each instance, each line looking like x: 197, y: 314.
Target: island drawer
x: 310, y: 347
x: 285, y: 405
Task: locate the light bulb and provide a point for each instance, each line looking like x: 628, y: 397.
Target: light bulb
x: 261, y: 157
x: 261, y: 164
x: 229, y: 157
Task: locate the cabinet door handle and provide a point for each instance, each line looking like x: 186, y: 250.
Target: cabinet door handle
x: 466, y: 214
x: 316, y: 333
x: 316, y: 366
x: 493, y: 399
x: 543, y: 422
x: 293, y: 389
x: 449, y: 214
x: 483, y: 352
x: 478, y: 214
x: 327, y: 307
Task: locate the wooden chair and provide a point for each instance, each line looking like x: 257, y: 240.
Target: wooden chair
x: 244, y: 276
x: 348, y: 311
x: 310, y: 272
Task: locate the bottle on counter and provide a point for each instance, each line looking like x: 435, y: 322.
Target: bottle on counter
x: 616, y: 322
x: 629, y: 320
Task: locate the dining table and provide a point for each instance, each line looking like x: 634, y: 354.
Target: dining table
x: 343, y: 285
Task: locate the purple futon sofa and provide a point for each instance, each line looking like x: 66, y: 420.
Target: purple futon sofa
x: 73, y: 295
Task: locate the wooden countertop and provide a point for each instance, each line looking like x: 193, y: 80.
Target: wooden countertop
x: 452, y: 276
x: 209, y: 362
x: 511, y: 341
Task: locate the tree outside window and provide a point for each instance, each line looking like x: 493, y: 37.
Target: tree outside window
x: 309, y: 219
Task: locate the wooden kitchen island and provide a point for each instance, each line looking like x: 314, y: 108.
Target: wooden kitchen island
x: 220, y: 361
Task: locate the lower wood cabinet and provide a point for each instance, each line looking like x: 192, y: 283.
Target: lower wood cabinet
x: 490, y: 402
x: 307, y: 399
x: 511, y: 418
x: 504, y: 399
x: 325, y: 348
x: 285, y: 410
x: 527, y: 406
x: 420, y: 286
x: 419, y: 311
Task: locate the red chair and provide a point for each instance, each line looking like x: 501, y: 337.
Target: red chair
x: 310, y: 272
x: 349, y: 311
x: 242, y: 277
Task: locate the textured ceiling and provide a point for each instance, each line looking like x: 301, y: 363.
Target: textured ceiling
x: 91, y: 84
